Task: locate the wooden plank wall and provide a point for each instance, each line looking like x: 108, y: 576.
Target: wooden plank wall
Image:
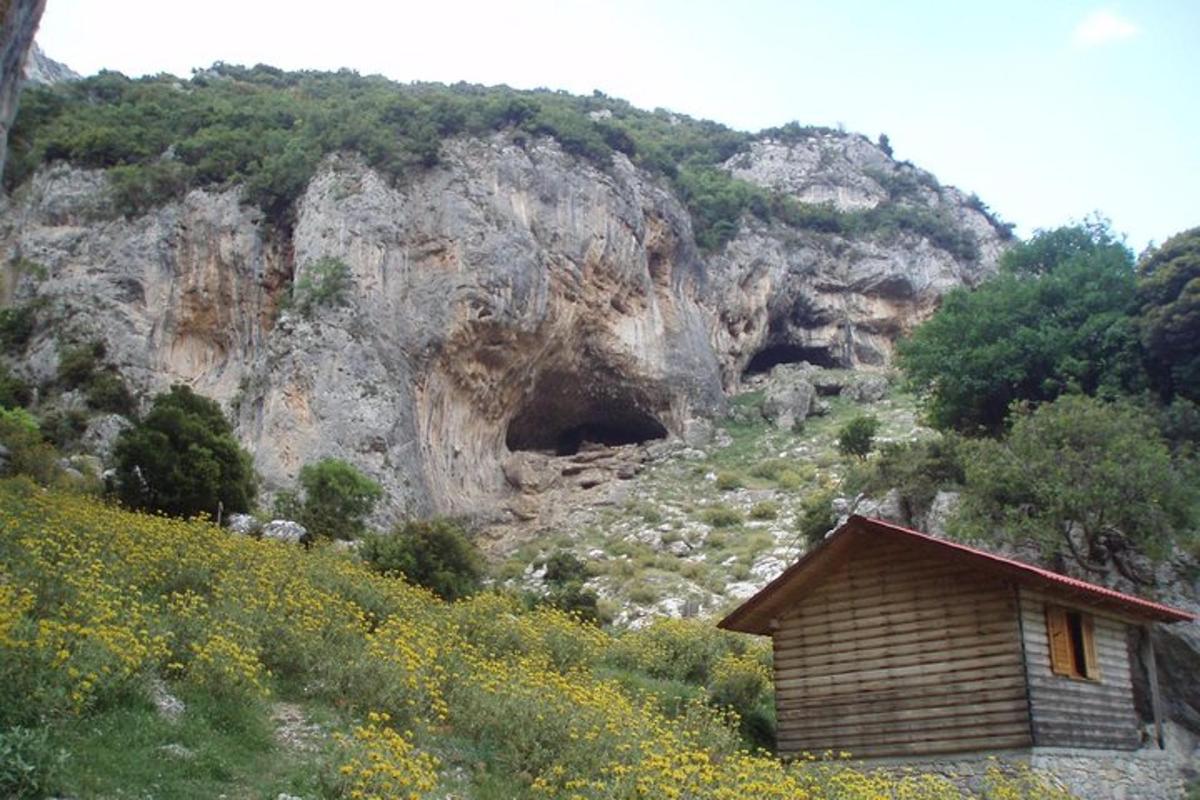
x: 897, y: 655
x: 1072, y: 712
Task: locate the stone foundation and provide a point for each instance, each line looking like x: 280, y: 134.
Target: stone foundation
x: 1146, y: 774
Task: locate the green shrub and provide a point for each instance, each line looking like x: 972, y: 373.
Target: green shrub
x: 435, y: 553
x: 325, y: 283
x: 77, y: 364
x: 107, y: 392
x: 563, y: 567
x: 857, y: 437
x: 183, y: 459
x: 28, y: 453
x: 16, y: 327
x: 722, y: 516
x: 770, y: 469
x: 729, y: 481
x: 766, y: 509
x: 64, y: 427
x: 13, y: 391
x: 337, y: 499
x: 794, y: 479
x: 26, y: 761
x: 816, y: 516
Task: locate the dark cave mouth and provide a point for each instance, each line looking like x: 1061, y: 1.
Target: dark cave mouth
x: 772, y: 356
x: 569, y: 412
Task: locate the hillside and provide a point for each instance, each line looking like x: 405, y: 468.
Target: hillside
x: 147, y: 655
x: 425, y: 279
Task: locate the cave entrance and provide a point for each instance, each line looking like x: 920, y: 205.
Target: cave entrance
x: 566, y: 411
x: 773, y: 355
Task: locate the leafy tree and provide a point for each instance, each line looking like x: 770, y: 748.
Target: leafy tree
x: 27, y: 453
x: 857, y: 437
x: 1057, y: 318
x: 337, y: 499
x: 183, y: 459
x: 434, y: 553
x: 1088, y: 481
x: 1168, y: 292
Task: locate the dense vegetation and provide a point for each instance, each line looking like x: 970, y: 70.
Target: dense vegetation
x: 1058, y: 318
x: 102, y: 611
x: 267, y: 130
x: 183, y: 459
x: 1048, y: 366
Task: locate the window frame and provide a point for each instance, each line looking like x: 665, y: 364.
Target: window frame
x: 1071, y: 639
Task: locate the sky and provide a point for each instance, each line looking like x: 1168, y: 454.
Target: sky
x: 1049, y: 111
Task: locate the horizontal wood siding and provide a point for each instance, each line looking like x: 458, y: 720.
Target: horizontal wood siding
x: 896, y: 655
x: 1073, y: 712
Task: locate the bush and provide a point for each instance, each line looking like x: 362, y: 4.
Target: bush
x: 28, y: 453
x: 435, y: 553
x: 857, y: 437
x: 13, y: 391
x: 16, y: 327
x: 722, y: 516
x: 26, y: 759
x: 729, y: 481
x: 337, y: 499
x: 77, y: 364
x: 325, y: 283
x: 817, y: 517
x: 919, y: 470
x: 182, y: 459
x: 767, y: 509
x: 107, y: 392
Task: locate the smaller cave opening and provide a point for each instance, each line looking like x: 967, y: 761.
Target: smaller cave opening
x: 774, y: 355
x: 566, y: 412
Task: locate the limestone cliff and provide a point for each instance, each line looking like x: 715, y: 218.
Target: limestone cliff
x: 513, y: 297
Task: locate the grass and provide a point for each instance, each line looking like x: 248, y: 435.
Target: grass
x: 222, y: 743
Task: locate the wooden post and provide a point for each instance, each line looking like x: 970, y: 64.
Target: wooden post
x: 1155, y: 696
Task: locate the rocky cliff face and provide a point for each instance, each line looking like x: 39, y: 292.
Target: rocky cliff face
x: 18, y: 23
x: 513, y: 298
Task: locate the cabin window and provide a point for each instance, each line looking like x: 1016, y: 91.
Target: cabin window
x: 1072, y: 636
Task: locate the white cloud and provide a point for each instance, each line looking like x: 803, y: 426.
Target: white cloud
x: 1102, y: 27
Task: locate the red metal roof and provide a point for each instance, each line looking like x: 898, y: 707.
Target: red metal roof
x: 752, y: 616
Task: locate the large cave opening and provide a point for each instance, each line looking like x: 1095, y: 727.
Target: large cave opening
x: 567, y: 410
x: 773, y: 355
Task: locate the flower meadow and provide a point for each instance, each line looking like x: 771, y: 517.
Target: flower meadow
x: 101, y: 609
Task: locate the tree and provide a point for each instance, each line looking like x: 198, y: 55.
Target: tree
x: 183, y: 459
x: 434, y: 553
x: 1168, y: 293
x: 337, y: 499
x: 857, y: 437
x: 1088, y: 481
x: 1057, y: 318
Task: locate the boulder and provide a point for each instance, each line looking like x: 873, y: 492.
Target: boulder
x: 244, y: 524
x: 867, y: 387
x: 285, y: 530
x: 102, y: 433
x: 788, y: 397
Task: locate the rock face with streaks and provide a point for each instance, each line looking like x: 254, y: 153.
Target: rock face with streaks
x: 511, y: 299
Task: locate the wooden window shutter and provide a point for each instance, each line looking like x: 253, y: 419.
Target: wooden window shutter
x: 1061, y: 662
x: 1091, y: 667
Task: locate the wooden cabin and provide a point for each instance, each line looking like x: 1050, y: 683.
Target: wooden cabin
x: 889, y: 642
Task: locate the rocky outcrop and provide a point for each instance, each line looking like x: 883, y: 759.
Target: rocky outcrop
x: 831, y: 299
x: 18, y: 23
x: 512, y: 299
x: 45, y: 71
